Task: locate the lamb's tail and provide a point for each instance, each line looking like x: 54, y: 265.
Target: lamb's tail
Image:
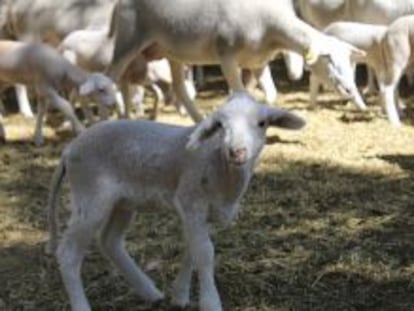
x: 52, y: 216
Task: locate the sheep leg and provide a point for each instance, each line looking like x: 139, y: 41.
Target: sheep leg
x: 249, y: 79
x: 314, y: 85
x: 390, y: 106
x: 71, y: 252
x: 125, y: 50
x: 124, y: 86
x: 23, y: 101
x: 266, y: 83
x: 294, y: 65
x: 370, y: 87
x: 189, y: 82
x: 138, y: 99
x: 65, y: 107
x: 112, y: 243
x: 388, y: 82
x: 356, y: 95
x: 182, y: 283
x: 232, y: 73
x: 159, y: 96
x: 201, y: 250
x: 178, y: 78
x: 38, y: 134
x: 357, y: 99
x: 199, y: 75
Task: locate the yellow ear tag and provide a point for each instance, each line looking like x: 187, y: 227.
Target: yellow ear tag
x: 311, y: 57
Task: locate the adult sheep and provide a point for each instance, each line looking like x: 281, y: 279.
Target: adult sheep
x: 231, y: 33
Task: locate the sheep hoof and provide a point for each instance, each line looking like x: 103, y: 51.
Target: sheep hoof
x: 155, y: 296
x: 180, y: 302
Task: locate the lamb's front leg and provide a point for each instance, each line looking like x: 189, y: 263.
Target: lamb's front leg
x: 63, y: 105
x: 38, y: 134
x: 201, y: 250
x: 182, y: 283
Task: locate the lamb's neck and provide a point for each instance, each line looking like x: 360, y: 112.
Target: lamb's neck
x: 76, y: 76
x: 300, y: 36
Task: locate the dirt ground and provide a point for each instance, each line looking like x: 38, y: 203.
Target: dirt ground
x: 327, y: 224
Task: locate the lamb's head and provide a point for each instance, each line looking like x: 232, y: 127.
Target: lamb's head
x: 331, y: 60
x: 241, y: 124
x: 101, y: 88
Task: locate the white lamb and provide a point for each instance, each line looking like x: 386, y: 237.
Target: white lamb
x: 201, y: 171
x: 366, y: 37
x: 42, y: 67
x: 397, y: 55
x: 389, y: 53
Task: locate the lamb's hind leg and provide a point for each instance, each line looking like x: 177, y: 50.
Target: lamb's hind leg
x: 81, y: 230
x: 112, y: 240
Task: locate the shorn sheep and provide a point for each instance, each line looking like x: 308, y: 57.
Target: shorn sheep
x: 202, y: 171
x: 366, y: 37
x: 42, y: 67
x: 233, y: 33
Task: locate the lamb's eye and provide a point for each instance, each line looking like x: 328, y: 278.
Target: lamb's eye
x: 261, y: 123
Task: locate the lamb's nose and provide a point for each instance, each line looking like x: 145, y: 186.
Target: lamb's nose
x: 238, y: 155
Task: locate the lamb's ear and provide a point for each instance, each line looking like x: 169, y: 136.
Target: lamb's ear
x: 86, y: 88
x: 204, y: 130
x: 283, y: 118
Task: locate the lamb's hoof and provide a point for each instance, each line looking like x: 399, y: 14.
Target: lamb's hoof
x: 28, y: 115
x: 179, y: 303
x: 155, y: 296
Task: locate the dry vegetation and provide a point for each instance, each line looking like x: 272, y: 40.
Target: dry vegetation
x: 328, y: 222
